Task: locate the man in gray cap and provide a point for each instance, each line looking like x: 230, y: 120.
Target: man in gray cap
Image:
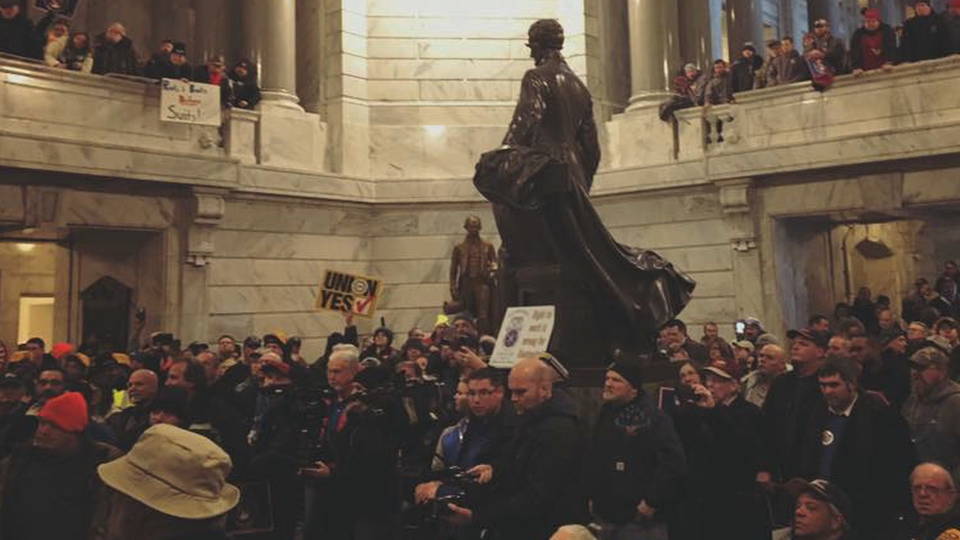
x: 933, y: 409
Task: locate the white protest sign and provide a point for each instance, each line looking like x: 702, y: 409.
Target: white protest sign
x: 188, y: 102
x: 525, y: 332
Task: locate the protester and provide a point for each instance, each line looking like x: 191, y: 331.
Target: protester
x: 55, y: 42
x: 762, y: 77
x: 158, y: 60
x: 935, y: 502
x: 114, y: 52
x: 822, y: 513
x: 244, y: 92
x: 874, y: 45
x: 859, y: 443
x: 680, y: 346
x: 130, y: 423
x: 951, y: 31
x: 636, y: 463
x: 687, y: 87
x: 17, y: 33
x: 924, y: 37
x: 756, y: 384
x: 537, y: 488
x: 172, y: 484
x: 49, y: 487
x: 789, y: 67
x: 828, y: 47
x: 933, y: 409
x: 718, y: 89
x: 78, y: 54
x: 743, y: 70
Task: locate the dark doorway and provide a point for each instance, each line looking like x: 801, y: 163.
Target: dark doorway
x: 106, y: 315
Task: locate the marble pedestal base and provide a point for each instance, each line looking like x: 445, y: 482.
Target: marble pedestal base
x: 292, y: 139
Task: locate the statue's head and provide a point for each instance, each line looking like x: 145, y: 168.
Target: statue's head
x: 544, y: 35
x: 473, y: 225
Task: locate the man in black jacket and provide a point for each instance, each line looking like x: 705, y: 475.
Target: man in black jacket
x: 636, y: 463
x: 924, y: 36
x: 131, y: 422
x: 536, y: 485
x: 726, y: 502
x: 829, y: 47
x: 114, y: 52
x: 873, y: 45
x: 859, y: 443
x: 17, y: 34
x: 743, y: 69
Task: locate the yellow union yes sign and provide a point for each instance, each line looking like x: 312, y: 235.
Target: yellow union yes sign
x: 352, y: 293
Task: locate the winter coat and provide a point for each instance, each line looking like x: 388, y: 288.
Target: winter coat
x: 718, y: 90
x: 834, y: 52
x: 46, y: 496
x: 77, y: 59
x: 950, y: 25
x: 786, y: 412
x: 934, y: 422
x: 536, y: 485
x: 924, y: 38
x: 243, y: 90
x: 53, y: 49
x: 936, y: 527
x: 117, y: 57
x: 888, y: 51
x: 202, y: 75
x: 18, y: 36
x: 890, y: 376
x: 872, y: 463
x: 742, y: 73
x: 635, y: 455
x: 724, y: 453
x: 788, y: 68
x: 127, y: 425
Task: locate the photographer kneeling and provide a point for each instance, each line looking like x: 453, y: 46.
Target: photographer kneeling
x: 535, y: 483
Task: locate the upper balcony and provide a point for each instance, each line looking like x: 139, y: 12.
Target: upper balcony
x: 58, y: 120
x: 910, y: 112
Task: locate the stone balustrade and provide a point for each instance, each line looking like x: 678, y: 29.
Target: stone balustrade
x: 58, y: 120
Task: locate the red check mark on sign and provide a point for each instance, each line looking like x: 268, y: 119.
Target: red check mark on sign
x: 362, y: 305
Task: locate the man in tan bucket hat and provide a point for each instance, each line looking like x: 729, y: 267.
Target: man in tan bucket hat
x: 171, y: 484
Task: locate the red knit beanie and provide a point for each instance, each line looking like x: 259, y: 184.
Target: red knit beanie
x: 872, y: 14
x: 67, y: 411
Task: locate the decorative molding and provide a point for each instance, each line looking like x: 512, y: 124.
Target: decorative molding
x: 209, y: 209
x: 735, y: 195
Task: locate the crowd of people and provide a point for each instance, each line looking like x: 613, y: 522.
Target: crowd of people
x: 820, y: 55
x: 847, y: 429
x: 56, y: 44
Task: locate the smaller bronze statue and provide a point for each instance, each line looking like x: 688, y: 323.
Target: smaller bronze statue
x: 472, y: 269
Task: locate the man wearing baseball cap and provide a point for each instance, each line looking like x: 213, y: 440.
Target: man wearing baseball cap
x: 636, y: 462
x: 933, y: 409
x: 725, y: 453
x: 46, y: 485
x: 790, y: 401
x: 821, y: 512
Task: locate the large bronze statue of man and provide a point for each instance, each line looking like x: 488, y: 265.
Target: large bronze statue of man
x: 556, y: 249
x: 472, y: 269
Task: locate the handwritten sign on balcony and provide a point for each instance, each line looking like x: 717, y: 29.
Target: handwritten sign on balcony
x: 188, y: 102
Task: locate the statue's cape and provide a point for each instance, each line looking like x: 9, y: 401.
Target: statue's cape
x: 639, y: 288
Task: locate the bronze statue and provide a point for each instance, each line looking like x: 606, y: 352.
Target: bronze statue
x: 557, y: 251
x: 472, y: 270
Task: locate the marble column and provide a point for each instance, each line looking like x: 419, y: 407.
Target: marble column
x: 654, y: 49
x: 696, y: 37
x: 744, y: 25
x: 270, y: 42
x: 211, y: 30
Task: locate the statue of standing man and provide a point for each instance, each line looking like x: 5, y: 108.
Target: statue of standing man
x: 472, y: 270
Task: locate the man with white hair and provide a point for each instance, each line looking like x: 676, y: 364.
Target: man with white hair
x: 115, y: 53
x: 536, y: 484
x: 935, y: 501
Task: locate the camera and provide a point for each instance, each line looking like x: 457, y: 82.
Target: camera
x: 685, y: 395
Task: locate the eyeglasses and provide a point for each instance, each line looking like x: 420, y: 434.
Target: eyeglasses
x: 932, y: 490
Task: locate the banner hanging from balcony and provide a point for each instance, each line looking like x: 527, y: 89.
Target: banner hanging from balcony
x: 188, y: 102
x: 350, y: 293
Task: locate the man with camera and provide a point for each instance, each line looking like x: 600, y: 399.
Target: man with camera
x: 636, y: 463
x: 536, y: 482
x: 474, y: 440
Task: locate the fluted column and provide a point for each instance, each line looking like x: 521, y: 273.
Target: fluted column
x: 269, y: 40
x: 654, y: 49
